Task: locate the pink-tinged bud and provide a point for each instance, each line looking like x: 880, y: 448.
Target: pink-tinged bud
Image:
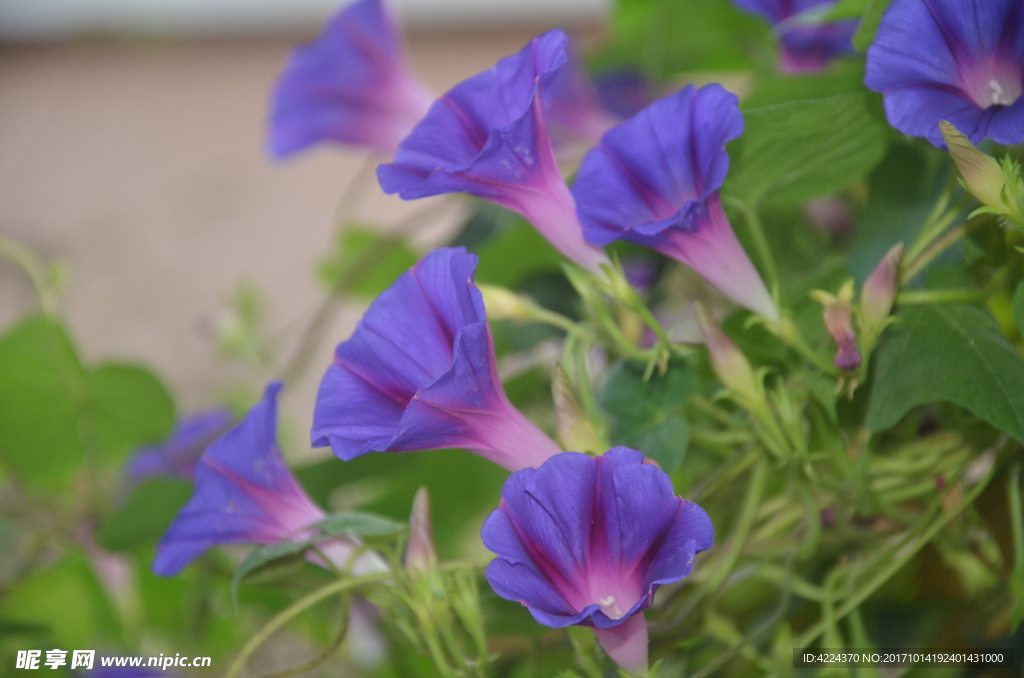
x: 838, y: 316
x: 730, y: 365
x: 879, y: 291
x: 420, y: 555
x: 575, y: 429
x: 981, y: 174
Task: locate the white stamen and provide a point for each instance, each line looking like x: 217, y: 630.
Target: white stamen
x: 609, y: 607
x: 997, y: 93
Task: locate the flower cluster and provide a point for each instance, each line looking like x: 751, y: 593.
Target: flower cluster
x: 580, y: 539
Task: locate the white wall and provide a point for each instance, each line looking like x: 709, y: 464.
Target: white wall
x: 42, y: 19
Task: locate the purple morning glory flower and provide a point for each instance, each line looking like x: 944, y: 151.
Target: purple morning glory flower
x: 488, y: 136
x: 588, y: 540
x: 419, y: 373
x: 805, y: 45
x: 177, y: 456
x: 654, y: 180
x: 244, y: 493
x: 352, y: 85
x: 955, y: 60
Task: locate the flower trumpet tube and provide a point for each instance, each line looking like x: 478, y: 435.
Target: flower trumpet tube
x: 352, y: 85
x: 488, y: 136
x: 654, y: 181
x: 955, y: 60
x: 244, y: 493
x: 588, y: 540
x: 805, y: 44
x: 420, y: 373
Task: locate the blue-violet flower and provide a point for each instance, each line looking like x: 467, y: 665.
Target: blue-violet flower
x: 177, y: 456
x: 955, y: 60
x: 489, y: 136
x: 806, y: 44
x: 244, y: 493
x: 419, y: 373
x: 352, y: 85
x: 588, y: 540
x: 654, y: 180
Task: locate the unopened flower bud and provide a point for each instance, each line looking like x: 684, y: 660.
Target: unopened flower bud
x: 879, y: 291
x: 982, y: 176
x: 575, y: 429
x: 838, y: 316
x: 420, y: 555
x: 504, y: 304
x: 730, y: 365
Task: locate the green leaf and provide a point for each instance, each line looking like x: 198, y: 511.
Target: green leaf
x: 865, y: 34
x: 515, y: 254
x: 848, y: 9
x: 645, y: 415
x: 261, y: 556
x: 53, y: 410
x: 662, y: 38
x: 773, y: 88
x: 1018, y: 307
x: 67, y: 598
x: 948, y: 352
x: 365, y: 262
x: 358, y: 525
x: 129, y: 407
x: 144, y: 517
x: 337, y: 524
x: 799, y: 150
x: 42, y: 388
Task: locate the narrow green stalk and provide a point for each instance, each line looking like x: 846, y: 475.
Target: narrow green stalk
x: 894, y: 564
x: 914, y: 266
x: 939, y: 297
x: 938, y: 220
x: 34, y: 267
x: 334, y: 588
x: 764, y: 250
x: 1016, y: 520
x: 738, y: 539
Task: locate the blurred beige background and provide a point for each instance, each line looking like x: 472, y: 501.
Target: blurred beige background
x: 139, y: 164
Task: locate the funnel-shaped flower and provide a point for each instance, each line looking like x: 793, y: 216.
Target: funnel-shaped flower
x: 419, y: 373
x: 955, y: 60
x: 244, y: 493
x: 177, y: 456
x: 488, y: 136
x: 352, y: 85
x: 588, y: 540
x: 806, y: 44
x: 654, y: 180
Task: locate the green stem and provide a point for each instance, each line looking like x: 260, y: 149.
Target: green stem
x: 1016, y: 519
x: 738, y: 539
x: 938, y: 220
x: 939, y: 296
x: 298, y: 607
x: 34, y: 267
x: 306, y: 667
x: 915, y: 265
x: 894, y: 564
x: 757, y: 234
